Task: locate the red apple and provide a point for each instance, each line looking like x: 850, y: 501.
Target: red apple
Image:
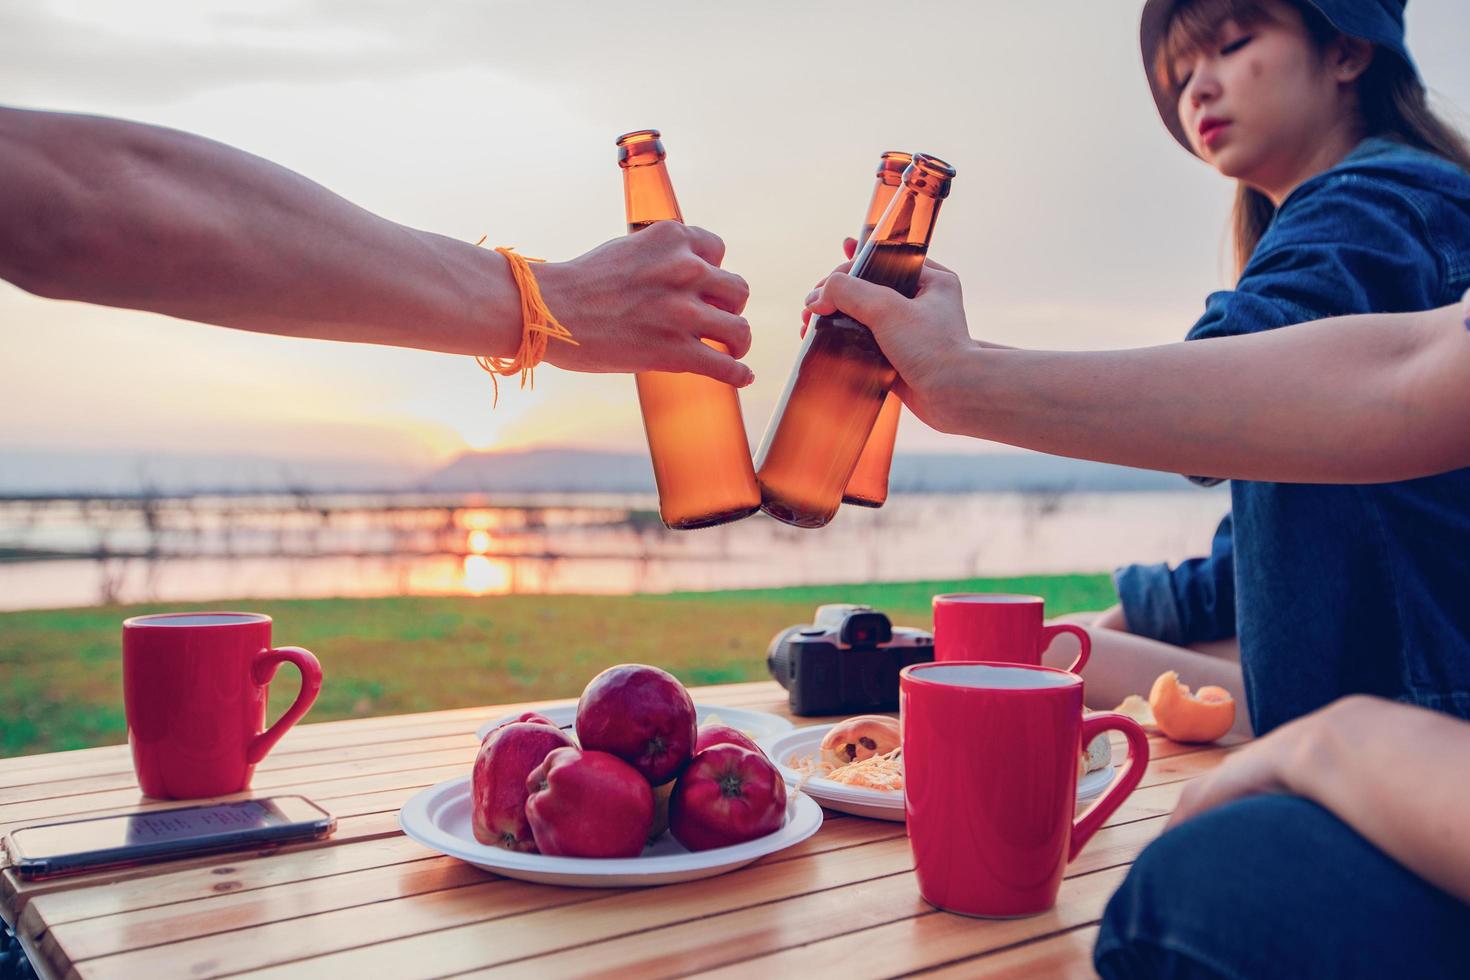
x: 640, y: 714
x: 498, y: 782
x: 728, y: 795
x: 709, y: 734
x: 589, y: 804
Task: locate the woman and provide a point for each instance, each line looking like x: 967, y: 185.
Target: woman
x: 123, y: 214
x: 1368, y: 200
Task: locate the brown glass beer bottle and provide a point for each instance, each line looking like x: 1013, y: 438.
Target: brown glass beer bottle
x: 868, y: 486
x: 841, y: 377
x: 696, y: 437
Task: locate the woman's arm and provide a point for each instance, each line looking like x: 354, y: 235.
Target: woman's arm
x: 1393, y: 772
x: 1364, y: 399
x: 123, y: 214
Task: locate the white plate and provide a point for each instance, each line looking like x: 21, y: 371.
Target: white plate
x: 757, y: 724
x: 874, y: 803
x: 439, y: 818
x: 1091, y: 786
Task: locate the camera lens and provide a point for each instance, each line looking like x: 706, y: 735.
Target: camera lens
x: 778, y: 657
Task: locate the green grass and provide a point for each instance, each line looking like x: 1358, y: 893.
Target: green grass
x: 61, y: 677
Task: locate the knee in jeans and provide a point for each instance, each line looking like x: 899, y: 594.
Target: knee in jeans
x: 1176, y: 904
x: 1216, y: 895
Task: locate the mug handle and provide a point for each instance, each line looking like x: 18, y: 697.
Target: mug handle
x: 264, y: 668
x: 1092, y: 818
x: 1049, y: 633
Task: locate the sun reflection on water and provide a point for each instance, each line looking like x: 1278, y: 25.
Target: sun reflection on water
x: 476, y: 519
x: 486, y: 575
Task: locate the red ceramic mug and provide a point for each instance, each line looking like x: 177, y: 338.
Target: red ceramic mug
x: 194, y: 689
x: 990, y: 755
x: 998, y: 628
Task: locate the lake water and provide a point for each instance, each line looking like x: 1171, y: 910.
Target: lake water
x: 286, y: 547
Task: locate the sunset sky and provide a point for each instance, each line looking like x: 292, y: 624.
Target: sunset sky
x: 1075, y: 220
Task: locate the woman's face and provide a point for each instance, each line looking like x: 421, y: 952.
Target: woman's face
x: 1261, y: 100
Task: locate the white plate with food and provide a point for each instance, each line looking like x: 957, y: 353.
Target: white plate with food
x: 873, y: 786
x: 757, y: 724
x: 440, y: 818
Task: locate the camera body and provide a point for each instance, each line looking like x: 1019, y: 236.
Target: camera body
x: 846, y: 662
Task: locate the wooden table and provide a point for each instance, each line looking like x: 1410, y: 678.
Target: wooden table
x: 369, y: 902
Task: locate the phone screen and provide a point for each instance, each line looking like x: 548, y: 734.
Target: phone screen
x: 103, y: 841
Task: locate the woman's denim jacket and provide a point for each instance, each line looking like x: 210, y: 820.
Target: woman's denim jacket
x: 1336, y: 590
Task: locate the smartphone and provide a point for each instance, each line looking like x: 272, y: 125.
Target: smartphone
x: 96, y: 843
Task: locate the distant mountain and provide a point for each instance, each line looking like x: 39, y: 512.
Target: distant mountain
x: 529, y: 471
x: 26, y: 471
x: 546, y: 470
x: 575, y: 471
x: 955, y: 473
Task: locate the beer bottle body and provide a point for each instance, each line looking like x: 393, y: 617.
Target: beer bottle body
x: 868, y: 485
x: 696, y: 435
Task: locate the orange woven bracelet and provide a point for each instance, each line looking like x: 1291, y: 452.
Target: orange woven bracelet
x: 538, y: 327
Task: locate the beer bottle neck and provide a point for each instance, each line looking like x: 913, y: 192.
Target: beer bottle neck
x: 883, y: 192
x: 894, y: 254
x: 890, y: 178
x: 649, y: 195
x: 909, y: 218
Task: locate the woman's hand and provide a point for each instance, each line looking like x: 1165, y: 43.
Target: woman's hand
x: 924, y: 338
x: 1391, y: 771
x: 643, y: 303
x: 1263, y: 766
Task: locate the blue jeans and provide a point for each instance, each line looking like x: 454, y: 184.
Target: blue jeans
x: 1276, y: 886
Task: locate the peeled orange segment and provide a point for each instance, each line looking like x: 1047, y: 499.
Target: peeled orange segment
x: 1189, y: 717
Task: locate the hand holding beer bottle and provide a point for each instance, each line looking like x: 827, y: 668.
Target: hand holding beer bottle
x: 926, y: 338
x: 646, y: 304
x: 834, y: 396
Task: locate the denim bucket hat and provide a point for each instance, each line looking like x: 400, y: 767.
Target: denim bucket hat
x: 1380, y: 22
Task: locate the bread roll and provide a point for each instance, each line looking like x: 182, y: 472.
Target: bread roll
x: 859, y: 738
x: 1099, y: 753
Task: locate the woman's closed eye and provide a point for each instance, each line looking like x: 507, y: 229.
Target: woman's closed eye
x: 1236, y: 45
x: 1182, y: 77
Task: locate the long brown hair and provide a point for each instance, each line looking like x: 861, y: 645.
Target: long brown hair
x: 1391, y: 98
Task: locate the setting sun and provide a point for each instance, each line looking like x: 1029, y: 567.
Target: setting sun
x: 479, y: 432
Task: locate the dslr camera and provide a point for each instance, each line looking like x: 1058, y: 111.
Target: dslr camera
x: 847, y: 662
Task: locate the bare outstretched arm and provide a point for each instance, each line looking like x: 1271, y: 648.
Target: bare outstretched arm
x: 124, y: 214
x: 1362, y: 399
